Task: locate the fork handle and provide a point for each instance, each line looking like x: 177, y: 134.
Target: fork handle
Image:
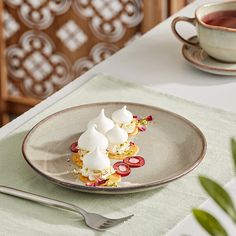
x: 40, y: 199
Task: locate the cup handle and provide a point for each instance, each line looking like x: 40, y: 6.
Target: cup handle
x: 186, y: 19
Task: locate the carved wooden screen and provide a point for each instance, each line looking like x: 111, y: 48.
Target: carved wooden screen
x: 49, y: 43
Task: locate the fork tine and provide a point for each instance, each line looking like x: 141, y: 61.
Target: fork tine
x: 126, y: 218
x: 106, y: 226
x: 120, y: 219
x: 113, y: 222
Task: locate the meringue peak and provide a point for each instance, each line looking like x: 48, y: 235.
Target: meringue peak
x: 103, y: 123
x: 91, y: 138
x: 117, y: 135
x: 122, y: 116
x: 96, y: 160
x: 102, y: 113
x: 92, y: 128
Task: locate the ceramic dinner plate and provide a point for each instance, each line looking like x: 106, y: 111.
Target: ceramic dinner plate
x: 197, y: 57
x: 172, y: 146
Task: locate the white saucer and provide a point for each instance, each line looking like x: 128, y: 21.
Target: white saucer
x: 197, y: 57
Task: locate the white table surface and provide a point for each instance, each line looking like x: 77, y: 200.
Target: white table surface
x: 155, y: 60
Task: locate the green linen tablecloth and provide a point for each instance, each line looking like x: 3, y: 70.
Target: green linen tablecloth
x: 155, y: 212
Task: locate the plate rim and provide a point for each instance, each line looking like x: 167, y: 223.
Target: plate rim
x: 202, y: 66
x: 123, y: 189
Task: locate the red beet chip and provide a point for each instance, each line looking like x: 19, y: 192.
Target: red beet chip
x: 90, y: 184
x: 74, y: 147
x: 99, y: 181
x: 135, y: 117
x: 121, y: 168
x: 134, y: 161
x: 142, y: 128
x: 149, y: 118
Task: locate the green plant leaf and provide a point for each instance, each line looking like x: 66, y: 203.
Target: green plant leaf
x: 219, y: 195
x: 209, y: 223
x: 233, y: 148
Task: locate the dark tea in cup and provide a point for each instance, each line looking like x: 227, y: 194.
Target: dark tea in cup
x: 221, y: 18
x: 216, y: 30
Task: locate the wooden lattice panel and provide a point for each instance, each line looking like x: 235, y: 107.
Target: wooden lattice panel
x: 49, y: 43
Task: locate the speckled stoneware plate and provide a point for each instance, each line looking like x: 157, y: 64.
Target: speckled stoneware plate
x: 197, y: 57
x: 172, y: 146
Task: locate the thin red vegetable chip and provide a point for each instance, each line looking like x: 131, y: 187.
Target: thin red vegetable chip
x: 121, y: 168
x: 134, y: 161
x: 74, y: 147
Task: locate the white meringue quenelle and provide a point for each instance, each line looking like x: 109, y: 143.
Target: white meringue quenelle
x: 122, y: 116
x: 117, y: 135
x: 91, y: 139
x: 96, y: 160
x: 103, y: 123
x: 118, y: 140
x: 96, y: 164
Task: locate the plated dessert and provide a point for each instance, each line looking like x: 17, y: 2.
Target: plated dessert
x: 105, y: 141
x: 165, y: 158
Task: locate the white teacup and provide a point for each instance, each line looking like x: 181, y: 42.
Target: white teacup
x: 219, y: 42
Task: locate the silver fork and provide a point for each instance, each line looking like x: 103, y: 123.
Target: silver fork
x: 94, y: 221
